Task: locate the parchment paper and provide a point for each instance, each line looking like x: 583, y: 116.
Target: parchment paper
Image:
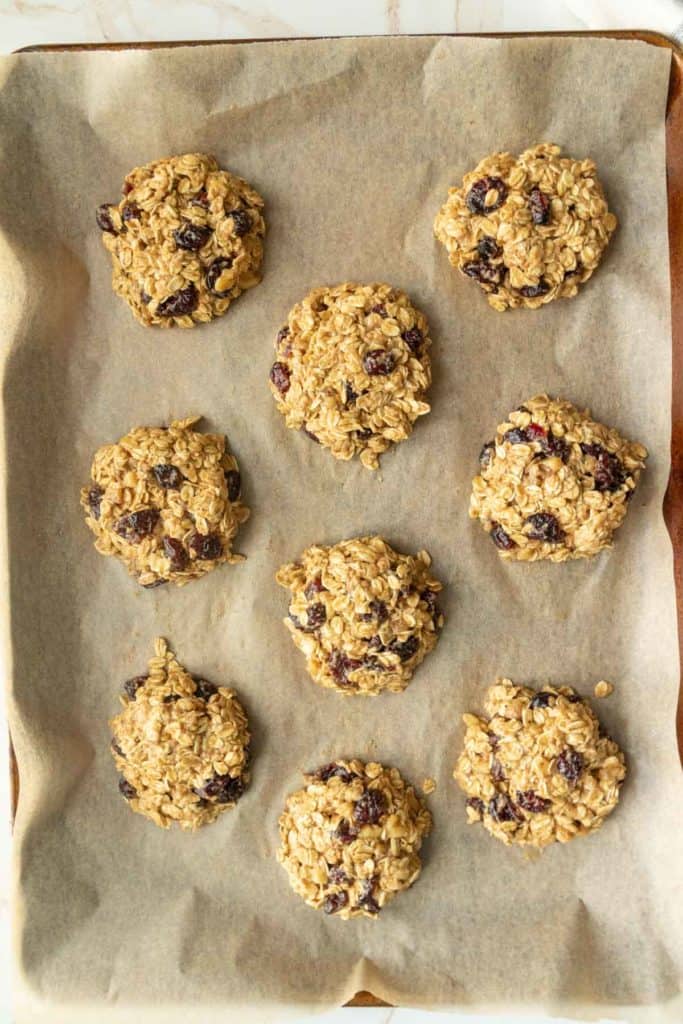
x: 353, y: 143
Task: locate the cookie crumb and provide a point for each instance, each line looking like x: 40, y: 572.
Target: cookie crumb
x: 603, y: 688
x: 428, y: 785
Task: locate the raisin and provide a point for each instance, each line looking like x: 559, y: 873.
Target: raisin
x: 516, y: 436
x: 493, y: 740
x: 541, y: 699
x: 223, y: 789
x: 233, y: 481
x: 488, y: 248
x: 380, y: 309
x: 310, y: 435
x: 430, y: 597
x: 94, y: 498
x: 413, y: 339
x: 116, y: 748
x: 315, y: 616
x: 336, y: 875
x: 530, y: 801
x: 314, y: 586
x: 192, y: 237
x: 145, y: 298
x: 153, y: 584
x: 532, y: 291
x: 130, y: 211
x: 168, y: 476
x: 345, y: 832
x: 556, y: 446
x: 539, y: 205
x: 176, y: 553
x: 350, y: 395
x: 486, y: 454
x: 279, y: 375
x: 135, y: 526
x: 574, y: 698
x: 476, y: 197
x: 482, y: 271
x: 364, y: 434
x: 131, y: 686
x: 501, y: 539
x: 334, y: 770
x: 406, y: 649
x: 241, y: 222
x: 206, y: 546
x: 335, y: 901
x: 127, y: 187
x: 125, y: 789
x: 103, y: 218
x: 366, y: 898
x: 370, y: 808
x: 171, y: 698
x: 203, y: 689
x: 213, y: 274
x: 570, y: 765
x: 377, y: 611
x: 378, y: 362
x: 545, y: 526
x: 497, y: 773
x: 181, y: 303
x: 281, y: 335
x: 501, y: 808
x: 608, y: 474
x: 340, y: 665
x: 201, y: 199
x: 375, y: 644
x: 476, y: 804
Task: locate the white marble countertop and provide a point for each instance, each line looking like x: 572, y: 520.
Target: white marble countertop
x: 29, y: 22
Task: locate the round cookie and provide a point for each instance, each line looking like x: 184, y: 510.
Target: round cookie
x: 181, y: 745
x: 353, y: 369
x: 527, y: 229
x: 350, y: 839
x: 553, y: 483
x: 539, y: 770
x: 364, y: 615
x: 185, y: 240
x: 166, y: 502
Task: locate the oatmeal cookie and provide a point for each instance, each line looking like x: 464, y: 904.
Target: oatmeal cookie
x: 350, y: 840
x: 364, y: 615
x: 353, y: 369
x: 181, y: 745
x: 554, y: 483
x: 528, y: 229
x: 166, y: 502
x: 185, y: 240
x: 539, y: 770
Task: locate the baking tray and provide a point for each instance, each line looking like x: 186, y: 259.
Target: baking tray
x: 673, y: 500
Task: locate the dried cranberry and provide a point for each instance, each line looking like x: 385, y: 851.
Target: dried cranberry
x: 482, y: 271
x: 314, y: 586
x: 350, y: 395
x: 131, y: 686
x: 570, y: 765
x: 608, y: 474
x: 377, y: 611
x: 125, y: 789
x: 366, y: 898
x: 501, y: 808
x: 135, y: 526
x: 233, y: 481
x: 130, y: 211
x: 192, y: 237
x: 279, y: 375
x: 380, y: 309
x: 335, y: 901
x: 206, y: 546
x: 476, y: 197
x: 488, y: 248
x: 241, y: 222
x: 181, y: 303
x: 94, y: 498
x: 176, y: 554
x: 535, y: 432
x: 341, y: 665
x: 315, y: 616
x: 223, y: 789
x: 541, y: 699
x: 539, y: 205
x: 370, y: 808
x: 201, y: 199
x: 501, y: 539
x: 545, y: 526
x: 476, y: 804
x: 378, y: 362
x: 214, y: 272
x: 335, y: 770
x: 103, y: 218
x: 530, y: 801
x: 168, y: 476
x: 345, y: 832
x: 336, y: 875
x: 486, y: 454
x: 413, y: 339
x: 497, y: 772
x: 406, y: 649
x: 532, y: 291
x: 203, y: 689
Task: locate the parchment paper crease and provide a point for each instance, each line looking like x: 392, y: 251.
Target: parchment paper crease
x: 353, y: 143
